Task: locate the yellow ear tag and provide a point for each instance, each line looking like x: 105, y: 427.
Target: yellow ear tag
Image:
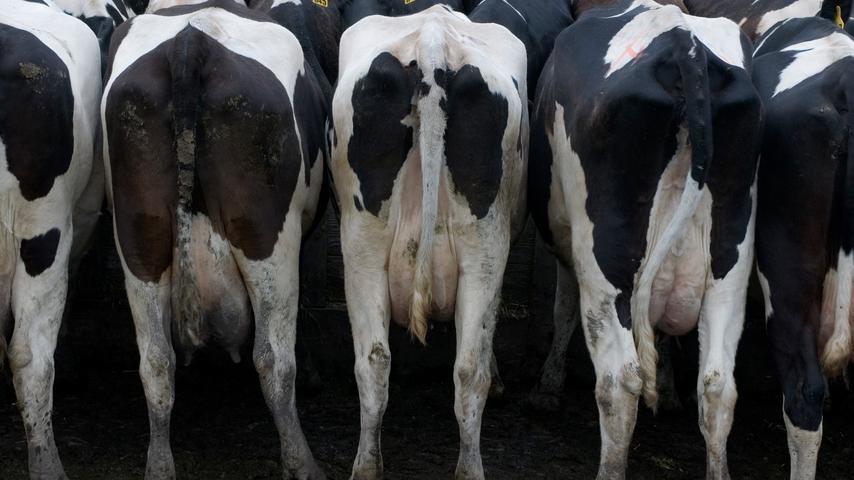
x: 407, y: 2
x: 321, y: 3
x: 839, y: 22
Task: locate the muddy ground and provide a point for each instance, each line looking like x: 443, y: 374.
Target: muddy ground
x: 221, y: 428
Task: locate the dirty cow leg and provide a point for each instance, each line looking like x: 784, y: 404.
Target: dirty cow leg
x: 37, y: 303
x: 801, y: 378
x: 546, y: 394
x: 618, y: 381
x: 150, y: 304
x: 719, y: 329
x: 803, y: 446
x: 477, y: 303
x: 273, y: 286
x: 803, y: 400
x: 366, y: 285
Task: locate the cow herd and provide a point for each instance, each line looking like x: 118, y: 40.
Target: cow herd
x: 657, y: 146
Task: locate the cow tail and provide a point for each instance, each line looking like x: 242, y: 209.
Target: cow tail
x: 692, y: 62
x: 186, y: 61
x: 433, y: 121
x: 837, y: 350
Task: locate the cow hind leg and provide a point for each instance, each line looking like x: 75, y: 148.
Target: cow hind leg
x: 803, y: 393
x: 475, y: 325
x: 150, y: 304
x: 804, y: 442
x: 273, y: 286
x: 546, y: 394
x: 368, y: 305
x: 798, y: 368
x: 618, y: 382
x: 719, y: 331
x: 39, y: 288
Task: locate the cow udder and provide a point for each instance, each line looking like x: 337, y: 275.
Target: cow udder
x: 404, y: 249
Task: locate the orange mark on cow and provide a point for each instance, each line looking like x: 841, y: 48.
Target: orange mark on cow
x: 628, y: 52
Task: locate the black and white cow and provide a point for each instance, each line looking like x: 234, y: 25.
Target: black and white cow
x: 536, y: 24
x: 643, y: 157
x: 804, y: 70
x: 316, y: 23
x: 355, y: 10
x: 757, y: 16
x: 214, y: 142
x: 102, y: 16
x: 49, y: 90
x: 323, y: 21
x: 429, y: 161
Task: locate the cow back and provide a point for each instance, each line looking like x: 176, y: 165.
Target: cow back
x: 536, y: 24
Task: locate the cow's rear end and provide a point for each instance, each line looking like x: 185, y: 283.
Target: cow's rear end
x: 805, y: 218
x: 644, y: 152
x: 49, y: 84
x: 429, y: 133
x: 429, y: 163
x: 214, y: 142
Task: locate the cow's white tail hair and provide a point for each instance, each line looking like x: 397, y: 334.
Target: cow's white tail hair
x: 692, y: 62
x: 186, y: 60
x: 837, y: 350
x: 431, y: 58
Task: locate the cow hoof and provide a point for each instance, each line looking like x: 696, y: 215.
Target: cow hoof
x: 49, y: 473
x: 160, y: 466
x: 366, y: 473
x: 44, y: 463
x: 543, y: 402
x: 153, y: 473
x: 314, y: 473
x: 473, y: 473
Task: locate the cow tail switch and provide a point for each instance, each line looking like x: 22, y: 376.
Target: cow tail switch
x: 431, y: 60
x: 186, y: 60
x: 691, y: 60
x: 834, y: 357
